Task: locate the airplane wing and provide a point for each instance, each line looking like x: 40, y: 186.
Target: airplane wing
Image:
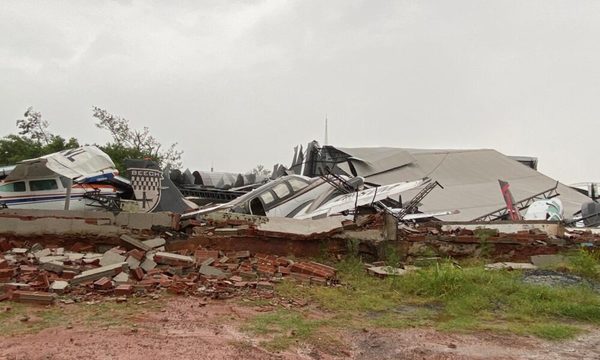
x: 429, y: 215
x: 359, y: 198
x: 78, y: 164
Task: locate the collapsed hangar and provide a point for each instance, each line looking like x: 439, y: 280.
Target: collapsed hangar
x: 469, y: 177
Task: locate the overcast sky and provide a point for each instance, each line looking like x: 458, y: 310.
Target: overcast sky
x: 240, y: 83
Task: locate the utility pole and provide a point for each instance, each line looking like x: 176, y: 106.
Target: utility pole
x: 326, y: 142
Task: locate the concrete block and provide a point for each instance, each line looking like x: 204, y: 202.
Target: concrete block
x: 148, y: 264
x: 121, y: 278
x: 52, y: 258
x: 385, y: 271
x: 73, y: 256
x: 140, y: 221
x: 111, y: 257
x: 53, y: 266
x: 59, y: 286
x: 167, y: 258
x: 42, y: 253
x: 211, y: 271
x: 133, y: 262
x: 510, y: 266
x: 98, y: 273
x: 131, y: 242
x: 154, y: 243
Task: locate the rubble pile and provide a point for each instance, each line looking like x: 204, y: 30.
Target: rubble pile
x: 434, y: 239
x: 37, y: 274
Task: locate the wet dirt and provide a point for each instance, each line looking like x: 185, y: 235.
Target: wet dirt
x: 190, y: 328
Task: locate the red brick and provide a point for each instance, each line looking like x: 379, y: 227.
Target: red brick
x: 202, y: 255
x: 68, y: 274
x: 124, y: 290
x: 5, y: 245
x: 3, y: 264
x: 138, y: 274
x: 6, y: 274
x: 103, y: 284
x: 284, y: 270
x: 36, y: 297
x: 137, y: 254
x: 265, y: 269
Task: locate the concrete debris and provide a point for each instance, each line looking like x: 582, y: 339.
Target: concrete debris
x: 385, y: 271
x: 154, y: 243
x: 121, y: 278
x: 135, y: 243
x: 173, y: 259
x: 211, y: 272
x: 133, y: 262
x: 98, y: 273
x: 148, y: 264
x: 59, y: 286
x: 510, y: 266
x: 110, y: 258
x: 208, y: 273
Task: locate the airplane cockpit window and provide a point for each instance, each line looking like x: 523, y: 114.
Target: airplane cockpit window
x: 43, y: 185
x: 297, y: 184
x: 18, y: 186
x: 281, y: 190
x: 267, y: 198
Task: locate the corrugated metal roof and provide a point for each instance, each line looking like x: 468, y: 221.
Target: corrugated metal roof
x: 469, y: 177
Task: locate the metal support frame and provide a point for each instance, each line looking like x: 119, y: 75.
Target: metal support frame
x: 415, y: 201
x: 520, y: 205
x: 345, y: 187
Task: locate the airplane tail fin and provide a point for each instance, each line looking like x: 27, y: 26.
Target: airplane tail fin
x: 510, y: 201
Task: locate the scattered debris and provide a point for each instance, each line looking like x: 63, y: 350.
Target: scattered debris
x: 211, y: 273
x: 385, y: 271
x: 510, y: 266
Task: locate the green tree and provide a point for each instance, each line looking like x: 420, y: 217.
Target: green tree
x: 33, y: 140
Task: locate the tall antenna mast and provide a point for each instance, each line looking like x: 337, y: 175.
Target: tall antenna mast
x: 326, y: 135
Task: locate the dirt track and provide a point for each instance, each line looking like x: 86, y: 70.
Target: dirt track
x: 188, y: 329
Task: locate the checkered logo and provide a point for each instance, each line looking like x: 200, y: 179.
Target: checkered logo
x: 146, y: 187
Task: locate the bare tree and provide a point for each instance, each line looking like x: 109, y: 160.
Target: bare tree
x: 139, y: 140
x: 32, y: 126
x: 261, y: 170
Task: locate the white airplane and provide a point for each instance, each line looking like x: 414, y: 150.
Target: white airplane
x: 44, y: 182
x: 300, y: 197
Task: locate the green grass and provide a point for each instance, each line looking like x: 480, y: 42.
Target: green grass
x: 448, y: 297
x: 584, y: 263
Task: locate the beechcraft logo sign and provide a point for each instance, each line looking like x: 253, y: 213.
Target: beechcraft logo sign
x: 146, y: 187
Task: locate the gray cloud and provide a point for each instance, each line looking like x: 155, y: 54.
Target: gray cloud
x: 239, y: 83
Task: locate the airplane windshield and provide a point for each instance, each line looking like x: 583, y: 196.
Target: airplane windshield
x: 18, y: 186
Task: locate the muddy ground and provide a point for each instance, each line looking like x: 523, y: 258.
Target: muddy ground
x: 190, y: 328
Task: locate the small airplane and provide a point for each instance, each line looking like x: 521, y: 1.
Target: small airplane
x: 48, y: 181
x: 301, y: 197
